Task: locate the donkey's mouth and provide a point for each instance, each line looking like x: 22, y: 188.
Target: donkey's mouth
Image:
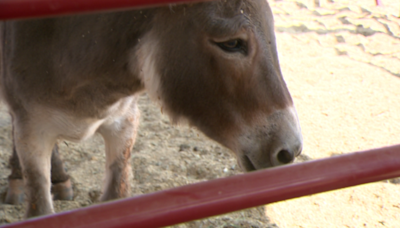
x: 246, y: 164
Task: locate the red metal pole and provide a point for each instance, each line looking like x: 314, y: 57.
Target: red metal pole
x: 224, y: 195
x: 19, y: 9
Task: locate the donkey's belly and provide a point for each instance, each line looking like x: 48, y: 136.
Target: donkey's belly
x: 65, y: 125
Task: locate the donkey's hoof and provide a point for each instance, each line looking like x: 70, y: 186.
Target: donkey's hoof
x: 62, y: 191
x: 15, y: 193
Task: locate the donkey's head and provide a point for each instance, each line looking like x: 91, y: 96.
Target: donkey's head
x: 215, y: 64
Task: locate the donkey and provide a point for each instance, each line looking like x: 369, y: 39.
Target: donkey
x: 213, y: 65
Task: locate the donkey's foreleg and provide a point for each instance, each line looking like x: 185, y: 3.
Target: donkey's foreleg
x: 34, y: 152
x: 15, y: 192
x: 61, y: 184
x: 119, y: 137
x: 61, y: 187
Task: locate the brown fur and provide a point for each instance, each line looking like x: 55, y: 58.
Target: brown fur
x: 70, y: 77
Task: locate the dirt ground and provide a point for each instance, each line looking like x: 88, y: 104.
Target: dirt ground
x: 341, y: 62
x: 342, y: 65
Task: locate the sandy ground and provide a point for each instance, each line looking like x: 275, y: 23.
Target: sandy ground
x: 341, y: 62
x: 342, y: 65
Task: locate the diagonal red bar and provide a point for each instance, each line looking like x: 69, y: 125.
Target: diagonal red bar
x: 224, y: 195
x: 20, y: 9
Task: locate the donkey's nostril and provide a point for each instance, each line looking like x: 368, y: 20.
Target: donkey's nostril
x: 285, y: 157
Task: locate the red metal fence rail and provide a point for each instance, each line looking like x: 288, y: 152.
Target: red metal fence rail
x: 214, y: 197
x: 19, y: 9
x: 225, y: 195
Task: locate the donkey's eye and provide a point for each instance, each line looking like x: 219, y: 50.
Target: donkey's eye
x: 231, y: 44
x: 236, y: 45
